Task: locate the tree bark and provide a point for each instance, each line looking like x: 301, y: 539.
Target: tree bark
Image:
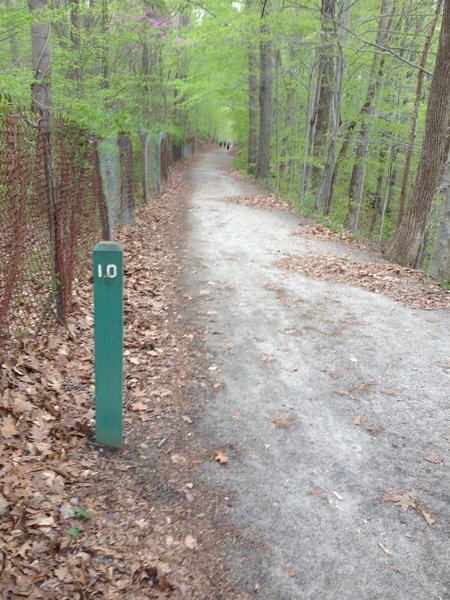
x: 105, y: 48
x: 440, y: 259
x: 408, y: 244
x: 417, y: 100
x: 324, y: 90
x: 356, y: 190
x: 343, y: 154
x: 265, y: 104
x: 75, y: 38
x: 252, y: 110
x: 41, y: 59
x: 323, y: 197
x: 252, y: 147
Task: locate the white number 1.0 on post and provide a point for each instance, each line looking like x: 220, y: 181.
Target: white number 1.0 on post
x: 110, y: 271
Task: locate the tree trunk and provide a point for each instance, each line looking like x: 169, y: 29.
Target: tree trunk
x: 408, y: 243
x: 440, y: 259
x: 309, y: 136
x: 252, y: 110
x: 41, y: 59
x: 377, y: 200
x: 105, y: 45
x: 417, y: 100
x: 323, y: 197
x: 356, y: 190
x: 252, y: 148
x: 324, y: 90
x: 343, y: 153
x: 265, y: 104
x: 75, y: 38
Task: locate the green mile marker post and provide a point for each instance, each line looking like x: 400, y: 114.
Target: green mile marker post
x: 108, y: 334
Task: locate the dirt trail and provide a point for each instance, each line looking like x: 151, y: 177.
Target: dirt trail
x: 333, y: 412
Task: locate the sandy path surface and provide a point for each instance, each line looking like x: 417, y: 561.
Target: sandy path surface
x: 331, y: 397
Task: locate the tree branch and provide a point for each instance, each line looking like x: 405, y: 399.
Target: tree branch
x: 263, y: 9
x: 383, y: 49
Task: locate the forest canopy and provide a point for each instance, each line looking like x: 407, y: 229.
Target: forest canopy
x: 330, y: 102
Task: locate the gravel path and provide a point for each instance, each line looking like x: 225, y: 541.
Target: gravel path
x: 333, y: 412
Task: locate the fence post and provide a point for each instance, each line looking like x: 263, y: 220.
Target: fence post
x: 108, y: 333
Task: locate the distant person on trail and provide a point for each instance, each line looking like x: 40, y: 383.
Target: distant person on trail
x: 220, y: 144
x: 228, y: 146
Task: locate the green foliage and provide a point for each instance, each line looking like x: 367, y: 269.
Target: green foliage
x: 339, y: 211
x: 74, y: 532
x: 81, y: 513
x: 183, y: 68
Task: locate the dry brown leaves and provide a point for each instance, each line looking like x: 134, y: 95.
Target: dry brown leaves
x: 371, y: 429
x: 405, y: 500
x: 280, y: 423
x: 434, y: 459
x: 236, y: 174
x: 412, y: 287
x: 318, y: 493
x: 260, y: 201
x: 221, y: 457
x: 313, y: 230
x: 76, y: 521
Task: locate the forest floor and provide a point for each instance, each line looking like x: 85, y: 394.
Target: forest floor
x: 286, y: 431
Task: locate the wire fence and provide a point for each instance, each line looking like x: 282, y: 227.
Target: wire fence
x: 61, y: 191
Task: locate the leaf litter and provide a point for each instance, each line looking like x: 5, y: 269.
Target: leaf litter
x: 221, y: 457
x: 405, y: 500
x: 266, y: 201
x: 411, y: 287
x: 80, y: 521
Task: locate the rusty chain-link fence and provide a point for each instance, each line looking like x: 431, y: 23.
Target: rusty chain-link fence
x: 61, y: 191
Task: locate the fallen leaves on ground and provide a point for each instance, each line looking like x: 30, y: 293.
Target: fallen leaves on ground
x: 372, y: 429
x: 318, y: 493
x: 313, y: 230
x: 414, y: 288
x: 267, y: 358
x: 405, y: 500
x: 291, y: 573
x: 436, y: 460
x: 260, y: 201
x: 280, y: 423
x: 221, y: 457
x: 190, y: 542
x: 356, y: 390
x: 76, y: 520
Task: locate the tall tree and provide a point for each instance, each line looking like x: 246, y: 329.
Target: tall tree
x: 75, y: 38
x: 323, y: 196
x: 357, y: 180
x: 408, y: 244
x: 105, y: 44
x: 265, y: 96
x: 440, y: 257
x: 41, y: 59
x: 320, y: 122
x: 252, y: 145
x: 415, y: 115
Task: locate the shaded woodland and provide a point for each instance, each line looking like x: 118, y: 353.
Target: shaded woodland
x: 342, y: 106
